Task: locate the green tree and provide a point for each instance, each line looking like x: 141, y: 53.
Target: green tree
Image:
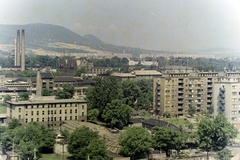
x: 224, y: 154
x: 28, y: 137
x: 117, y: 114
x: 14, y: 124
x: 104, y: 91
x: 191, y: 110
x: 24, y: 97
x: 145, y: 98
x: 97, y: 150
x: 46, y: 92
x: 81, y: 71
x: 66, y: 93
x: 93, y: 114
x: 166, y: 138
x: 131, y: 91
x: 135, y: 142
x: 215, y: 134
x: 83, y: 141
x: 6, y: 98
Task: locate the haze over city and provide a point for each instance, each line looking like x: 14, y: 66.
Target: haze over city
x: 157, y: 24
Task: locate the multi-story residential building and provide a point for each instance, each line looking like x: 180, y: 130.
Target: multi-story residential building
x: 49, y: 112
x: 176, y: 92
x: 226, y: 98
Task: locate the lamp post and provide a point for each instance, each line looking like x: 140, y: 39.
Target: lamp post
x: 34, y: 154
x: 62, y: 143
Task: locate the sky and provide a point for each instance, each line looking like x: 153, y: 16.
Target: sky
x: 173, y: 25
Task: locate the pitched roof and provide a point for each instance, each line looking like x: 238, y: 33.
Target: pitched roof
x: 47, y: 75
x: 64, y: 79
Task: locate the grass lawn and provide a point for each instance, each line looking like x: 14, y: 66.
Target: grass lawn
x: 3, y: 109
x: 178, y: 121
x: 53, y: 157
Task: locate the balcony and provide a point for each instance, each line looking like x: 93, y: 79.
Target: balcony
x: 222, y: 101
x: 180, y: 91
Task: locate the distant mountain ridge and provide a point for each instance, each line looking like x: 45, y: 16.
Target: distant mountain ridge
x: 39, y: 35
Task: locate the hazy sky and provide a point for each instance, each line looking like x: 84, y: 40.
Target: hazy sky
x: 152, y: 24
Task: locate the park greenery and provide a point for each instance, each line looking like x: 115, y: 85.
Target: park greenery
x: 166, y: 138
x: 135, y: 142
x: 213, y: 134
x: 112, y: 101
x: 23, y: 139
x: 84, y: 143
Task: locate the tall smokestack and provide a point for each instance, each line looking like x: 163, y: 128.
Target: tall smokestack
x: 39, y: 85
x: 18, y: 48
x: 15, y: 53
x: 23, y: 51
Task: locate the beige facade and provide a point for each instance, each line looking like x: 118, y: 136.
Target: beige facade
x: 176, y: 92
x: 48, y: 112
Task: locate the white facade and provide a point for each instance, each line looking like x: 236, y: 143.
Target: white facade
x: 226, y: 99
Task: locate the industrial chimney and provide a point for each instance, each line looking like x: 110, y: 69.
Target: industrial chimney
x: 23, y: 51
x: 18, y: 49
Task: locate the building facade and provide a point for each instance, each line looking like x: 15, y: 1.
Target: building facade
x: 48, y: 112
x: 227, y: 98
x: 175, y: 92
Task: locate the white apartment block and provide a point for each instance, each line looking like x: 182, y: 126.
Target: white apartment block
x: 226, y: 98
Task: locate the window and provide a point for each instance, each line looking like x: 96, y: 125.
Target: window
x: 26, y: 120
x: 37, y: 112
x: 65, y: 111
x: 65, y: 118
x: 82, y: 107
x: 75, y: 117
x: 55, y: 118
x: 55, y: 112
x: 32, y: 113
x: 60, y: 118
x: 70, y: 111
x: 42, y: 119
x: 42, y: 112
x: 234, y: 112
x: 75, y: 110
x: 37, y: 119
x: 48, y: 112
x: 60, y: 112
x: 26, y: 113
x: 82, y: 113
x: 19, y: 110
x: 19, y: 117
x: 70, y: 117
x: 31, y: 119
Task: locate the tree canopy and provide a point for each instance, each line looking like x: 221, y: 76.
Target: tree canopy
x: 135, y: 94
x: 135, y: 142
x: 215, y: 134
x: 26, y: 138
x: 166, y: 138
x: 84, y: 142
x: 117, y: 114
x: 66, y: 93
